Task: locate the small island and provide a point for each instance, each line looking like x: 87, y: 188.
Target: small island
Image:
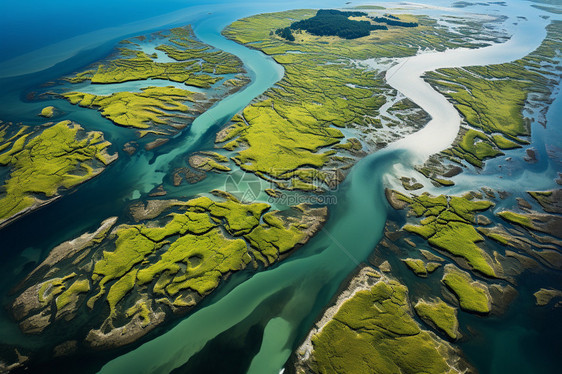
x: 44, y: 162
x: 159, y: 112
x: 133, y: 277
x: 47, y: 112
x: 371, y: 329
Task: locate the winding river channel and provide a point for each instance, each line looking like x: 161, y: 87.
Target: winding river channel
x: 283, y: 301
x: 289, y: 295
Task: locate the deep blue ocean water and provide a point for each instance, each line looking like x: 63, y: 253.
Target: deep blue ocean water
x: 32, y: 24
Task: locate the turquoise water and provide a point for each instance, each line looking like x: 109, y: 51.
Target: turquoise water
x: 313, y: 274
x: 270, y: 312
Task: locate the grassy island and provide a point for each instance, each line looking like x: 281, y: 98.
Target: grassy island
x: 448, y: 224
x: 209, y: 161
x: 169, y: 262
x: 47, y: 112
x: 420, y: 268
x: 517, y: 218
x: 473, y: 295
x: 161, y: 111
x: 152, y: 106
x: 45, y: 161
x: 544, y: 296
x: 440, y: 315
x: 196, y: 62
x: 550, y: 201
x: 372, y: 331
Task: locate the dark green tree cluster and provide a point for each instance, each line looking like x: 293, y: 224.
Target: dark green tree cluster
x: 333, y: 12
x: 285, y: 34
x: 393, y: 21
x: 336, y: 23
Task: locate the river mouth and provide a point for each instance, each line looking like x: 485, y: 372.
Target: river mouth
x: 307, y: 281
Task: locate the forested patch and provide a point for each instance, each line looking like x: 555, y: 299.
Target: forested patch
x: 330, y: 22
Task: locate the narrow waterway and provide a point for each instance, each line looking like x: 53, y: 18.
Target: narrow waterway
x: 306, y: 282
x: 263, y: 70
x: 442, y: 129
